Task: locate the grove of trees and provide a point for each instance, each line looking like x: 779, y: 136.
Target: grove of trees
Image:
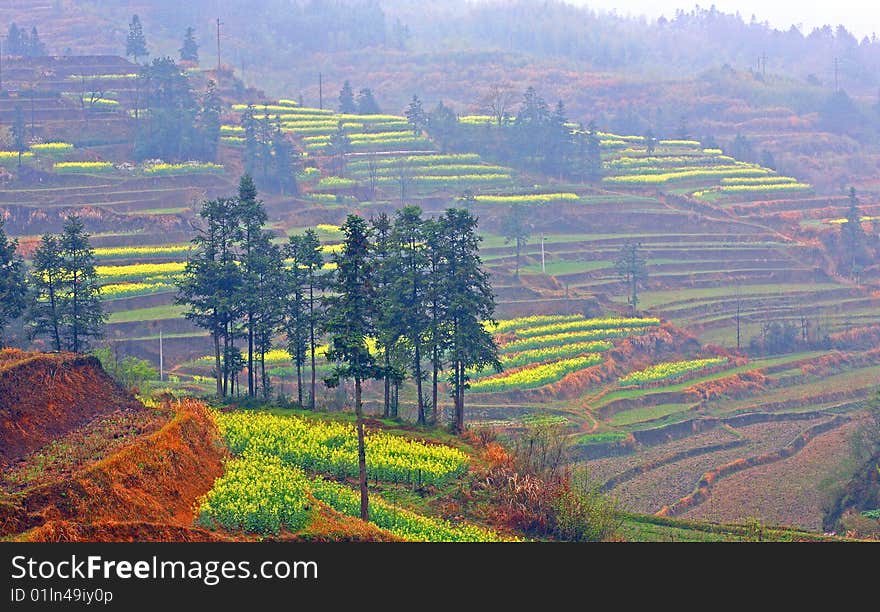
x: 175, y: 123
x: 530, y: 135
x: 403, y: 296
x: 19, y: 42
x: 59, y: 297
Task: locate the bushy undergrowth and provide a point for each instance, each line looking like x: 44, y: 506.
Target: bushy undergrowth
x: 534, y: 490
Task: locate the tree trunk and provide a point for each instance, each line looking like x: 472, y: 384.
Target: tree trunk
x: 458, y: 425
x: 312, y: 340
x: 299, y: 383
x: 362, y: 454
x: 56, y: 334
x: 217, y: 363
x: 517, y: 258
x: 225, y: 355
x: 265, y: 380
x: 251, y: 390
x: 74, y: 326
x: 435, y: 363
x: 417, y: 373
x: 634, y: 298
x: 387, y: 412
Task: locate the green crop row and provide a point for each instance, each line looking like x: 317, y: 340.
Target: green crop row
x: 549, y: 353
x: 535, y: 376
x: 586, y: 324
x: 569, y: 337
x: 533, y: 198
x: 417, y: 160
x: 670, y: 370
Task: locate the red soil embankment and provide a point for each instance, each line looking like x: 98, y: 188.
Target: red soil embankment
x: 44, y: 396
x: 145, y: 491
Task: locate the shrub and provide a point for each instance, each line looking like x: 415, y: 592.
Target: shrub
x: 534, y: 490
x: 583, y: 513
x: 129, y: 372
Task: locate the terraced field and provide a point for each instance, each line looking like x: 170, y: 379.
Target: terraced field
x: 730, y: 248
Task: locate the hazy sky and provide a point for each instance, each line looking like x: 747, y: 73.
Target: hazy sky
x: 861, y: 17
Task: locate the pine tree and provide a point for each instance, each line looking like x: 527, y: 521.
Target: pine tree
x: 408, y: 307
x: 264, y: 146
x: 19, y: 133
x: 366, y: 103
x: 559, y: 142
x: 346, y: 100
x: 741, y: 149
x: 442, y: 123
x: 209, y: 120
x: 632, y: 270
x: 350, y: 321
x: 170, y: 131
x: 13, y: 287
x: 286, y: 161
x: 853, y: 236
x: 531, y: 126
x: 296, y: 323
x: 82, y: 315
x: 44, y: 312
x: 387, y: 334
x: 338, y: 147
x: 268, y: 287
x: 436, y: 299
x: 516, y: 228
x: 136, y: 42
x: 470, y: 302
x: 313, y: 260
x: 416, y: 116
x: 251, y: 143
x: 13, y: 41
x: 250, y: 216
x: 209, y: 285
x: 36, y: 48
x: 189, y: 52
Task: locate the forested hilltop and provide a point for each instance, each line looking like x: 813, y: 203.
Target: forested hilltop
x: 809, y: 98
x: 268, y: 31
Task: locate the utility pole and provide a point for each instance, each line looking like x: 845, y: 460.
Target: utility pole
x: 320, y: 91
x: 738, y: 317
x: 219, y: 23
x: 33, y: 86
x: 763, y: 64
x: 161, y: 359
x: 543, y: 264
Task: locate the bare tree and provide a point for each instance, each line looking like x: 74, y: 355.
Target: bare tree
x: 89, y: 94
x: 403, y: 178
x: 373, y: 171
x: 497, y: 101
